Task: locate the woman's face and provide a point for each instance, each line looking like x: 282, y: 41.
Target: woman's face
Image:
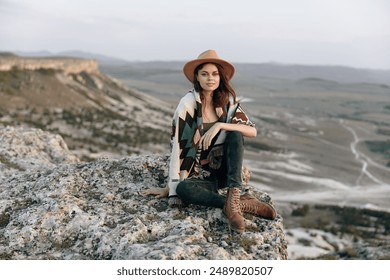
x: 208, y: 77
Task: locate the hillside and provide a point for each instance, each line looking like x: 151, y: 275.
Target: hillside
x: 95, y: 114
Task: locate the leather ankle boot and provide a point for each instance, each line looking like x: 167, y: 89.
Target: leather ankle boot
x: 232, y: 210
x: 249, y: 204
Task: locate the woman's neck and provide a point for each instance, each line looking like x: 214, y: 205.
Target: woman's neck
x: 208, y: 111
x: 208, y: 96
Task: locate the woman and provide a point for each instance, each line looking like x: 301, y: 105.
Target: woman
x: 207, y: 144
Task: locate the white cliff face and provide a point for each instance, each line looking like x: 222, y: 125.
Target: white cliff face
x: 67, y: 65
x: 71, y: 210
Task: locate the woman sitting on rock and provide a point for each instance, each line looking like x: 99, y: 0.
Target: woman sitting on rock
x: 207, y: 144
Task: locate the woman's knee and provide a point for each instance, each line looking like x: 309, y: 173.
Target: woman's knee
x: 234, y: 137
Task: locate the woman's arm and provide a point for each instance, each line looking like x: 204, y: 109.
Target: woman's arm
x: 246, y: 130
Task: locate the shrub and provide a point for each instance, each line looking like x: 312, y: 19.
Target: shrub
x: 301, y: 211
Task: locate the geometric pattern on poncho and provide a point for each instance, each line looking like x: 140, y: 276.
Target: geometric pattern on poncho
x: 187, y: 128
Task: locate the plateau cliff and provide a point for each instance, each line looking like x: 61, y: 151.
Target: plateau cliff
x: 95, y: 114
x: 65, y: 64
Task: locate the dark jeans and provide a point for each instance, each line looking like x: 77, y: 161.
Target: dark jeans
x: 205, y: 192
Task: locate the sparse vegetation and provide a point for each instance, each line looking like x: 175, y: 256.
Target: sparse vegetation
x: 47, y: 71
x: 10, y: 81
x: 360, y: 223
x: 304, y: 242
x: 381, y: 147
x: 370, y: 226
x: 383, y: 131
x: 301, y: 210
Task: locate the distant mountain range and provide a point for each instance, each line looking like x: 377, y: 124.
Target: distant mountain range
x: 340, y: 74
x: 75, y: 53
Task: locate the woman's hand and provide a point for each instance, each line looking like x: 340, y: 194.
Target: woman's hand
x: 157, y: 192
x: 209, y: 135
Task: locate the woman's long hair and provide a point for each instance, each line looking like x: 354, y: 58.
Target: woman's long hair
x: 221, y: 94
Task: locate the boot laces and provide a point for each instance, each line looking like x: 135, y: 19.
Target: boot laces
x: 249, y: 208
x: 235, y: 201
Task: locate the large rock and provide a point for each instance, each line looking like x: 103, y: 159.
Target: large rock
x: 96, y: 210
x: 23, y: 148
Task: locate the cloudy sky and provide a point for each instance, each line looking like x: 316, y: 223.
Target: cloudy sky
x: 328, y: 32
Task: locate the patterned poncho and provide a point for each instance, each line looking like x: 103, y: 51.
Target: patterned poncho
x: 187, y: 129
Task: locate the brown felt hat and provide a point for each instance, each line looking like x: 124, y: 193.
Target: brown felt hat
x: 209, y: 56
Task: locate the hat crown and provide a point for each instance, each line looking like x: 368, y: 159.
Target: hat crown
x: 209, y: 54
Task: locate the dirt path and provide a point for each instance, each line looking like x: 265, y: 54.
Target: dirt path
x: 362, y: 158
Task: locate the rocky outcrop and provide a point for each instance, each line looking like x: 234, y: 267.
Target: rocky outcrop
x: 64, y: 64
x: 23, y: 148
x: 72, y: 210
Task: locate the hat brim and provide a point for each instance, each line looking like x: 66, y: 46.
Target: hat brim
x: 189, y: 67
